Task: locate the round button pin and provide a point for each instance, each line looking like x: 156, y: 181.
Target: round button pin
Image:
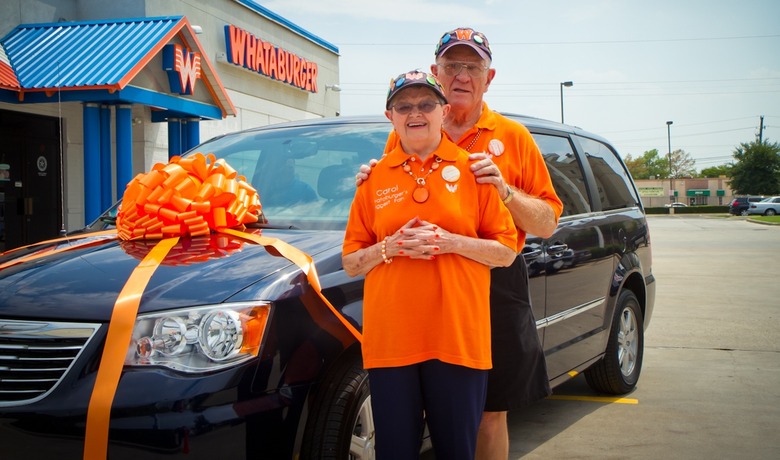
x: 450, y: 173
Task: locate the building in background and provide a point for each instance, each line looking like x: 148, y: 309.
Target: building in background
x: 93, y: 93
x: 693, y: 192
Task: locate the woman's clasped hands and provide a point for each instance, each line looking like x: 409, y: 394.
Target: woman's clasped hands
x: 419, y: 239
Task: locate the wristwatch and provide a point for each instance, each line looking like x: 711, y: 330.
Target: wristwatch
x: 509, y: 193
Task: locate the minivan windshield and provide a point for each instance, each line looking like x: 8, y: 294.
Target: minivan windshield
x: 304, y: 175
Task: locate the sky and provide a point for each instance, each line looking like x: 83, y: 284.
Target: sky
x: 712, y: 67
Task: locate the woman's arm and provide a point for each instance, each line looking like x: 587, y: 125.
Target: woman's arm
x: 488, y: 252
x: 428, y: 240
x: 363, y: 260
x: 419, y: 239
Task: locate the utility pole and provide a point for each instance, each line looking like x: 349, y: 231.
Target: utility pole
x: 761, y: 130
x: 671, y: 177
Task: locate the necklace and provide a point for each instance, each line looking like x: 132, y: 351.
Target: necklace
x: 420, y: 194
x: 495, y: 146
x: 474, y: 141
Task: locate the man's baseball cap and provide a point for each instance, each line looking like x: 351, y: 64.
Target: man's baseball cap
x: 414, y: 78
x: 465, y: 36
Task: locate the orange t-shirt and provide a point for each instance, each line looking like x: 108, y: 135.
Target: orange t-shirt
x: 521, y: 164
x: 418, y: 310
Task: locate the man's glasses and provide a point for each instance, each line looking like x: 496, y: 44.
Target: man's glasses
x: 405, y: 108
x: 453, y: 69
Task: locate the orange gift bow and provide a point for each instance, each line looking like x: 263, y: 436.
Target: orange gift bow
x: 189, y: 196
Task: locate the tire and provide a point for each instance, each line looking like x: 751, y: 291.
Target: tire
x: 341, y: 425
x: 618, y: 372
x: 743, y: 212
x: 770, y: 212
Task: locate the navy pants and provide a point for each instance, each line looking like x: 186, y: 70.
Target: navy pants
x: 450, y: 397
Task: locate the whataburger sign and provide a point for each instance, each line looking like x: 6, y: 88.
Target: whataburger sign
x: 250, y: 52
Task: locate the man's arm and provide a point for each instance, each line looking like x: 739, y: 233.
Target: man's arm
x: 530, y: 213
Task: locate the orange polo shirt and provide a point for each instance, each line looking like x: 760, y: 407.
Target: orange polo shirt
x: 521, y: 163
x: 418, y: 310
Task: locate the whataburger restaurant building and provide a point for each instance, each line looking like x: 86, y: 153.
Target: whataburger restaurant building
x: 86, y: 105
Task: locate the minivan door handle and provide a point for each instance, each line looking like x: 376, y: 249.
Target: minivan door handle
x: 557, y: 249
x: 532, y: 253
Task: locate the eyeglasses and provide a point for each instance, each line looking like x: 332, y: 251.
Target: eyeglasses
x: 453, y: 69
x: 405, y: 108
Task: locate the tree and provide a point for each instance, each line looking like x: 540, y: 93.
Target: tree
x: 716, y: 171
x: 636, y: 166
x: 648, y: 165
x: 757, y: 170
x: 652, y: 165
x: 683, y: 165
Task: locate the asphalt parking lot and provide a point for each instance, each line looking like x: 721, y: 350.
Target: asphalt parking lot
x: 710, y: 383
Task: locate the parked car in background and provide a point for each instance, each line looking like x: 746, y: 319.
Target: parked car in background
x: 676, y: 204
x: 233, y: 353
x: 766, y: 207
x: 739, y: 205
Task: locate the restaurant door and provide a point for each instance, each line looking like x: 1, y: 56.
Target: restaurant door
x: 30, y: 192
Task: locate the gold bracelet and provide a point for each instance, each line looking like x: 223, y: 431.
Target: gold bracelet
x: 509, y: 194
x: 385, y: 259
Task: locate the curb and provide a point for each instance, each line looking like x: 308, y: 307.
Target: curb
x: 761, y: 222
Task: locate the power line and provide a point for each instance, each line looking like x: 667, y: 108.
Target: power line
x: 655, y: 94
x: 656, y: 128
x: 512, y: 94
x: 648, y: 82
x: 629, y: 83
x: 586, y: 42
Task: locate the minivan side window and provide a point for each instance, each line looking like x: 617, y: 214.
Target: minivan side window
x: 566, y: 173
x: 612, y: 180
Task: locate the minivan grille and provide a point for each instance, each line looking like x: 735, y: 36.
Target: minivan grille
x: 36, y: 355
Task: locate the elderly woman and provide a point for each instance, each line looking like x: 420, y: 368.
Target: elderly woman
x: 425, y: 234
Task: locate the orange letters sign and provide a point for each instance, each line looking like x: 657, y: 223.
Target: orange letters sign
x: 250, y: 52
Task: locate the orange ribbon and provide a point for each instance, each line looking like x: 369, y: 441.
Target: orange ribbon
x: 189, y: 196
x: 304, y: 262
x: 51, y: 247
x: 120, y: 331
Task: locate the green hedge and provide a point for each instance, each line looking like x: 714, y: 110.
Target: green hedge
x: 690, y: 210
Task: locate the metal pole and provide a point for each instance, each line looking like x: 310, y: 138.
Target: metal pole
x: 561, y: 103
x: 567, y: 84
x: 671, y: 179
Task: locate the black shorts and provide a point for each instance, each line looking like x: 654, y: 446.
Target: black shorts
x: 519, y: 373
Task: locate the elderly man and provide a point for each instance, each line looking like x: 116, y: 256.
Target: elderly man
x: 507, y: 157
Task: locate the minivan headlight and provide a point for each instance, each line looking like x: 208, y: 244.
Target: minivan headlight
x: 199, y: 339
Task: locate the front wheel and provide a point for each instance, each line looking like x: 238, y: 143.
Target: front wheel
x: 744, y: 213
x: 618, y: 371
x: 770, y: 212
x: 341, y: 425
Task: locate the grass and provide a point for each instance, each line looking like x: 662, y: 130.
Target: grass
x: 767, y: 219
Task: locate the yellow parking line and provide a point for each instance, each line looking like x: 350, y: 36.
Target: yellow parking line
x: 601, y: 399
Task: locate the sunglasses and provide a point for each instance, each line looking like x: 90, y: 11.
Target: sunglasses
x: 405, y: 108
x: 453, y: 69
